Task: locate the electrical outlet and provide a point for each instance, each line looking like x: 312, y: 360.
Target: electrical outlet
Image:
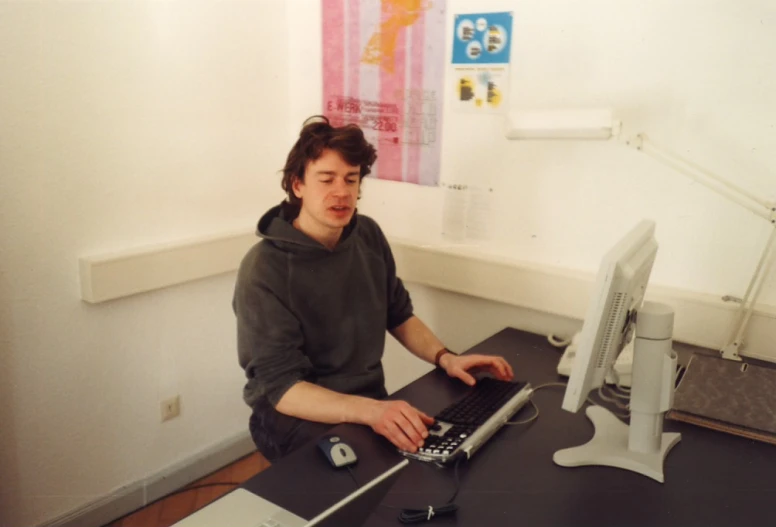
x: 171, y: 408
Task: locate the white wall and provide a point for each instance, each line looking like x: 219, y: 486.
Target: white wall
x: 123, y: 124
x: 697, y: 76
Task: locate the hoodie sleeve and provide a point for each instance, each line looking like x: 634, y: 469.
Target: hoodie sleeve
x: 399, y: 302
x: 269, y: 339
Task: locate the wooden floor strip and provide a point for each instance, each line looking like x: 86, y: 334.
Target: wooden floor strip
x: 175, y: 507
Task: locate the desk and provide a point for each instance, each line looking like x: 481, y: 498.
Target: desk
x: 712, y: 479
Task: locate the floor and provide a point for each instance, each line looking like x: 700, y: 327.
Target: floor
x: 175, y: 507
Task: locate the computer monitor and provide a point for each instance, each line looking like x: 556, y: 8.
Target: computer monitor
x: 616, y: 309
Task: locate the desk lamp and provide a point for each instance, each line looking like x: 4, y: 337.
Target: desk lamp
x: 599, y: 124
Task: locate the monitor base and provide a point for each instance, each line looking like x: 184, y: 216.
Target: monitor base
x: 609, y: 447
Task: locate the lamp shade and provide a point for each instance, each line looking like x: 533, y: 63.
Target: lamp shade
x: 595, y: 123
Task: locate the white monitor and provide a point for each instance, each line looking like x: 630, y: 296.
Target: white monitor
x: 616, y: 296
x: 616, y: 309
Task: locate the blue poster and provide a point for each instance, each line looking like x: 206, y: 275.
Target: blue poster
x: 482, y: 38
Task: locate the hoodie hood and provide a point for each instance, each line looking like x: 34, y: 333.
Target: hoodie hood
x: 276, y: 227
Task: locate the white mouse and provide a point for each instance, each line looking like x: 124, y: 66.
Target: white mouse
x: 337, y: 452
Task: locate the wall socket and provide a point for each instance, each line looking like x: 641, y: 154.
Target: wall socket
x: 171, y: 408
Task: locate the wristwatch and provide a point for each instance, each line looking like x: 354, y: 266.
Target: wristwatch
x: 439, y: 354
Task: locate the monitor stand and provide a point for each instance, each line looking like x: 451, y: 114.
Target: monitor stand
x: 641, y: 446
x: 609, y: 447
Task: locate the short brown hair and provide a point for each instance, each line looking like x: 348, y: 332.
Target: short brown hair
x: 317, y: 135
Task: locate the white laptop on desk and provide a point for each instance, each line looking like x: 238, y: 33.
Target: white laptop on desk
x: 242, y: 508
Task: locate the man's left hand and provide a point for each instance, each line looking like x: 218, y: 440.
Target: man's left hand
x: 459, y: 366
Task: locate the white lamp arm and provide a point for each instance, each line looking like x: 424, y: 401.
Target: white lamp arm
x: 762, y: 207
x: 735, y: 342
x: 759, y: 206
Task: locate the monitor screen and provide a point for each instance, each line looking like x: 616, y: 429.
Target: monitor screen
x: 617, y: 295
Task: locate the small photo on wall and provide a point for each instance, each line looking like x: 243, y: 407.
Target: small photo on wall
x: 481, y: 54
x: 480, y: 89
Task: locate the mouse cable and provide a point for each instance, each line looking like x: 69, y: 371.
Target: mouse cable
x: 352, y: 475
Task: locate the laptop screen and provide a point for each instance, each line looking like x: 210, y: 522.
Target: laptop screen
x: 242, y: 508
x: 356, y: 508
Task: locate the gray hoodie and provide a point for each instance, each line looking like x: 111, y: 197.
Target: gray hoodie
x: 305, y: 312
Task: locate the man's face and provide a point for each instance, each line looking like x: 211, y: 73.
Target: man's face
x: 329, y: 192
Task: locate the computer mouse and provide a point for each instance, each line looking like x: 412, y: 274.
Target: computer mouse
x: 337, y: 452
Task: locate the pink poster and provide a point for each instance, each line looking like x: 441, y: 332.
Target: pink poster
x: 383, y: 68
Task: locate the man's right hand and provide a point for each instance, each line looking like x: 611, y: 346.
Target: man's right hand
x: 402, y: 424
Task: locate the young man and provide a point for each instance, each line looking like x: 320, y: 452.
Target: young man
x: 314, y: 299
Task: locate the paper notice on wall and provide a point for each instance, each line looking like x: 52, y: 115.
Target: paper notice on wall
x: 480, y: 88
x: 383, y: 69
x: 466, y: 213
x: 481, y: 55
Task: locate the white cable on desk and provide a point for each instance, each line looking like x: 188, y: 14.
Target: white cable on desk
x: 563, y: 385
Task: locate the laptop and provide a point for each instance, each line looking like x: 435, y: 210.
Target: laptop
x: 241, y: 508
